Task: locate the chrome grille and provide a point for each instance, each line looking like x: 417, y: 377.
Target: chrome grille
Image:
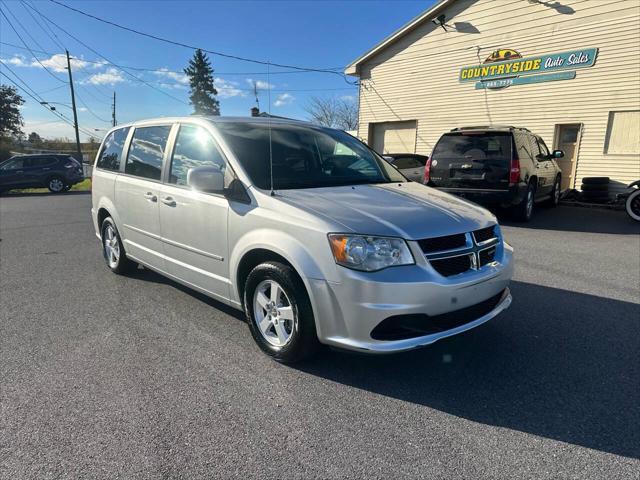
x: 455, y: 254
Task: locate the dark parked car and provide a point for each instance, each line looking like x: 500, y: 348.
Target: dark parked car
x: 496, y: 166
x: 411, y: 165
x: 58, y: 173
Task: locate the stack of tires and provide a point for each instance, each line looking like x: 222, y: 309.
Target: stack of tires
x: 595, y: 189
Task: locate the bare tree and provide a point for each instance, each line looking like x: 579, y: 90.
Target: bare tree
x: 333, y: 112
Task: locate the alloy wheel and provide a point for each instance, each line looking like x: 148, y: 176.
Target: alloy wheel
x: 111, y: 246
x: 556, y: 192
x: 56, y: 185
x: 529, y: 203
x: 273, y: 313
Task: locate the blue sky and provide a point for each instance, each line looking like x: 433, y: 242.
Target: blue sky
x: 318, y: 34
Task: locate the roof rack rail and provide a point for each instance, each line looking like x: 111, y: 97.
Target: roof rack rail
x: 489, y: 127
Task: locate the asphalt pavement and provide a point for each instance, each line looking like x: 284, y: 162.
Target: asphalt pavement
x: 104, y: 376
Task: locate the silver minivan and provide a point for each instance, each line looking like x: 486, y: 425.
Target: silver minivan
x: 307, y: 230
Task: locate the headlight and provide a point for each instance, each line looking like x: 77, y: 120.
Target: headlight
x: 362, y: 252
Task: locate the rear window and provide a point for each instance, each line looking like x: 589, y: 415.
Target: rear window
x: 474, y: 146
x: 111, y: 153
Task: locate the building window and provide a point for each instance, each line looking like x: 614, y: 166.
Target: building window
x: 623, y: 133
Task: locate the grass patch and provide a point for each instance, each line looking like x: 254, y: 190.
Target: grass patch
x: 83, y: 186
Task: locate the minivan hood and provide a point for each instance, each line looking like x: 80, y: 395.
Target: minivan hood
x: 409, y: 210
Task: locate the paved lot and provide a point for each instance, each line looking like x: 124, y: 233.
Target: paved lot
x: 109, y: 377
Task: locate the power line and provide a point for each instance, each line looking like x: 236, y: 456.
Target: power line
x: 158, y: 69
x: 35, y: 96
x: 50, y: 33
x: 54, y: 38
x: 192, y: 47
x: 24, y: 43
x: 91, y: 111
x: 112, y: 63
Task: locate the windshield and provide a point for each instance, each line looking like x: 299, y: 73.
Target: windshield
x: 304, y: 157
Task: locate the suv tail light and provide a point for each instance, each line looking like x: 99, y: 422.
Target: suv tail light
x: 427, y: 171
x: 514, y: 171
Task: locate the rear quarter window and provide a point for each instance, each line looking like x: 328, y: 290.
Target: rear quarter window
x: 110, y: 154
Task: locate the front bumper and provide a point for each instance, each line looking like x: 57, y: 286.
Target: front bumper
x: 348, y: 311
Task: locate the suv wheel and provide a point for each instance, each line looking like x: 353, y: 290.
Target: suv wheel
x: 524, y: 210
x: 554, y: 200
x: 113, y: 249
x: 279, y: 313
x: 56, y: 185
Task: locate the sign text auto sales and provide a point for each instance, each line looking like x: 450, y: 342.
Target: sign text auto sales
x: 541, y: 64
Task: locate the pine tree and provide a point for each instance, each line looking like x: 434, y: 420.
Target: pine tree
x: 203, y: 93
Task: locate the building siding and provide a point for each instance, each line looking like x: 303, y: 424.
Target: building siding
x: 416, y: 77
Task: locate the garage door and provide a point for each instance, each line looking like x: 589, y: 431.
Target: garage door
x: 393, y: 137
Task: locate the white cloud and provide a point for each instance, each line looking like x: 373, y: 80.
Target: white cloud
x: 82, y: 109
x: 228, y: 88
x: 283, y: 99
x: 109, y: 77
x: 56, y: 62
x: 178, y: 77
x: 17, y: 61
x: 348, y: 98
x: 260, y: 84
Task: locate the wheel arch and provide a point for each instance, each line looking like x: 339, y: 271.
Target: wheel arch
x: 252, y: 249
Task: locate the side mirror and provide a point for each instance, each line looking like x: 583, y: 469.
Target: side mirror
x: 557, y: 154
x: 206, y: 179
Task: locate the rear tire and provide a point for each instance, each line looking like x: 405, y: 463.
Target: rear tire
x: 56, y: 184
x: 279, y: 313
x: 113, y: 249
x: 523, y: 212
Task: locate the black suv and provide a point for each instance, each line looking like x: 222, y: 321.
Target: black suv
x: 496, y: 166
x: 56, y: 172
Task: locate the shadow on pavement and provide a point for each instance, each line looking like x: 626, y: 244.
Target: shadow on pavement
x: 557, y: 364
x: 42, y: 194
x: 577, y: 219
x: 148, y: 275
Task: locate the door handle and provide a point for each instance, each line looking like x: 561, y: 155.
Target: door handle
x: 45, y: 169
x: 169, y: 201
x: 19, y: 171
x: 151, y: 197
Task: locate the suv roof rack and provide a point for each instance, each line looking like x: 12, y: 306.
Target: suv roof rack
x: 489, y: 127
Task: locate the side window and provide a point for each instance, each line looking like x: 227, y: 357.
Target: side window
x: 525, y: 146
x: 194, y: 148
x: 543, y: 147
x: 42, y: 162
x: 14, y: 164
x: 147, y: 151
x: 407, y: 162
x: 111, y: 153
x: 535, y: 147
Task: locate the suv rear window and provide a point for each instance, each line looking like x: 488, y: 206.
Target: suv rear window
x: 474, y: 146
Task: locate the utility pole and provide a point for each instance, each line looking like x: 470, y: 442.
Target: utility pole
x: 75, y: 113
x: 113, y: 111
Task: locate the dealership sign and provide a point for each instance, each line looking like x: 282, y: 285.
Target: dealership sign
x: 507, y: 67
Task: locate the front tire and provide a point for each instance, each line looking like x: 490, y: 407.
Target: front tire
x: 279, y: 313
x: 554, y: 200
x: 632, y: 205
x: 113, y: 249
